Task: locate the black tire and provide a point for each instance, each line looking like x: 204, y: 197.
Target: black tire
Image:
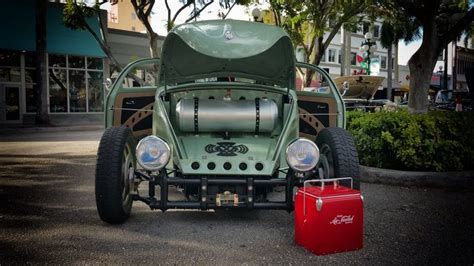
x: 115, y: 156
x: 338, y: 155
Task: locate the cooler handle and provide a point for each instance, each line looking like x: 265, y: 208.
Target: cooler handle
x: 323, y: 181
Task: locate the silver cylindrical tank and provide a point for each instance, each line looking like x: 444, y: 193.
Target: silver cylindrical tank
x: 198, y: 115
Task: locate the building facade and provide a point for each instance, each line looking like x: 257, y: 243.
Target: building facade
x: 76, y: 67
x: 341, y: 55
x: 122, y: 16
x: 458, y: 59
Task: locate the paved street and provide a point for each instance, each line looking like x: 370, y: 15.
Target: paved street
x: 48, y: 215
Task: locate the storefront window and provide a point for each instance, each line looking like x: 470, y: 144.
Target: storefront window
x: 30, y: 75
x: 84, y: 92
x: 96, y: 91
x: 94, y: 63
x: 57, y: 90
x: 30, y: 79
x: 10, y: 74
x: 77, y: 91
x: 10, y: 66
x: 30, y: 98
x: 76, y: 62
x: 9, y: 58
x: 57, y: 60
x: 30, y: 59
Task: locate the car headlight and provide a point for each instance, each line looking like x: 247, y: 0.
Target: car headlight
x: 153, y: 153
x: 302, y: 155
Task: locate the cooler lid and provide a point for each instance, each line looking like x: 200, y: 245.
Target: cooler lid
x: 329, y: 191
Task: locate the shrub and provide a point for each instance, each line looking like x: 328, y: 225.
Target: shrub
x: 437, y: 141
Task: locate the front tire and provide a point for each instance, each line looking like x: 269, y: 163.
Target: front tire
x: 338, y: 155
x: 114, y: 176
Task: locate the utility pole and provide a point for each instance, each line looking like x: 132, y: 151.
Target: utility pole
x: 389, y: 72
x: 445, y: 78
x: 343, y: 51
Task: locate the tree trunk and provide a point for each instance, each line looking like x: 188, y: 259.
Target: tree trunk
x: 42, y: 116
x: 153, y: 38
x: 421, y: 66
x: 389, y: 72
x: 318, y: 55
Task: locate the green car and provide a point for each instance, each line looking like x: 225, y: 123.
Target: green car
x: 226, y: 115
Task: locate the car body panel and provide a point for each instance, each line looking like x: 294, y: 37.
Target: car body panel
x: 221, y: 48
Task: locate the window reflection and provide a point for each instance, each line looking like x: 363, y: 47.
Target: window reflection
x: 57, y: 90
x: 12, y: 74
x: 69, y: 82
x: 96, y: 91
x: 77, y: 91
x: 57, y: 60
x: 76, y: 61
x: 30, y: 98
x: 94, y: 63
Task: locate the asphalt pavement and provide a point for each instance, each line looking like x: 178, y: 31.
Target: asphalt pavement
x: 48, y: 215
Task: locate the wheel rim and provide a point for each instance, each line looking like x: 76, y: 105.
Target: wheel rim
x: 126, y: 181
x: 326, y: 161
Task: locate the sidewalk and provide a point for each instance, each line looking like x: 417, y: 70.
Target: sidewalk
x: 8, y: 130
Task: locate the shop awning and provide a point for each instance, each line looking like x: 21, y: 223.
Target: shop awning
x: 18, y: 30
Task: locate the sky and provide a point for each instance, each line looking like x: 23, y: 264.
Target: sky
x: 405, y: 51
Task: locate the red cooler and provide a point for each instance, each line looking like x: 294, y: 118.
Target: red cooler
x: 328, y: 218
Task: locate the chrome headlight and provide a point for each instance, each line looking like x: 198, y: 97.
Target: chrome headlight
x: 153, y: 153
x: 302, y: 155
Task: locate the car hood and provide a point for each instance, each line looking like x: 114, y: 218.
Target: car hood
x: 223, y: 48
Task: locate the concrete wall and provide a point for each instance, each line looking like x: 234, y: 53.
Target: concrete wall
x: 129, y: 46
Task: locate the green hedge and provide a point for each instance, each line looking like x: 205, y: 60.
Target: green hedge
x: 437, y: 141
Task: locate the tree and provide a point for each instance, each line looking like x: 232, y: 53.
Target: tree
x: 42, y: 116
x: 199, y: 6
x: 143, y: 9
x: 393, y: 29
x: 75, y: 16
x: 387, y: 39
x: 228, y: 5
x: 311, y: 19
x: 277, y: 8
x: 440, y: 21
x: 307, y: 22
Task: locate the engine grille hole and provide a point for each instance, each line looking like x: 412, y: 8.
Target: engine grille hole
x: 227, y: 166
x: 259, y: 166
x: 243, y: 166
x: 211, y: 98
x: 195, y: 165
x: 211, y: 166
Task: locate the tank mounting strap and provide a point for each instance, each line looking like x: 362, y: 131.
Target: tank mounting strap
x: 196, y: 109
x: 257, y: 115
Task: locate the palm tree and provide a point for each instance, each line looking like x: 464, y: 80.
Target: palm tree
x: 394, y: 29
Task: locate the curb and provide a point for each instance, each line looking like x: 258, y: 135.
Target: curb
x: 463, y: 180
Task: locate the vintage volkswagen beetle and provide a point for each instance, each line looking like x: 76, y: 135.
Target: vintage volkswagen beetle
x: 227, y: 120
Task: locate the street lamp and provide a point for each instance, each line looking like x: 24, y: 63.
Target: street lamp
x: 256, y: 13
x: 369, y: 46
